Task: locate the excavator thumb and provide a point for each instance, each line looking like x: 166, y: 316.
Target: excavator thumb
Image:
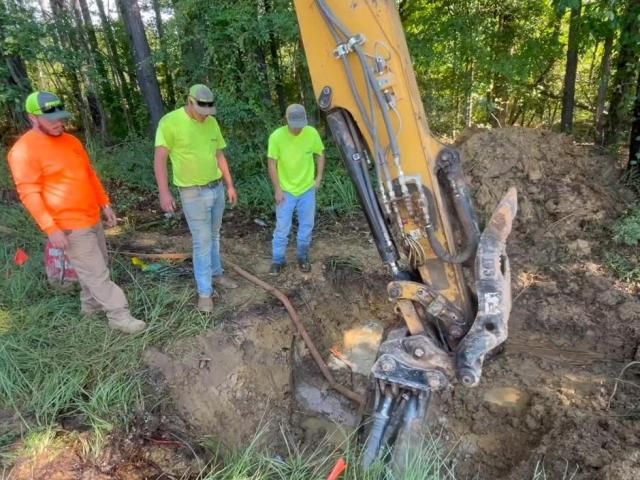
x: 493, y: 286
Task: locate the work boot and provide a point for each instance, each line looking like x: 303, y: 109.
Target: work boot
x: 125, y: 322
x: 275, y: 269
x: 205, y: 304
x: 224, y: 282
x: 304, y: 265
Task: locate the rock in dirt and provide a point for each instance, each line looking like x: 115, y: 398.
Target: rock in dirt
x: 629, y: 311
x: 508, y: 397
x: 580, y: 247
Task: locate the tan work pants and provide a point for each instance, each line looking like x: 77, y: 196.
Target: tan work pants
x: 87, y: 252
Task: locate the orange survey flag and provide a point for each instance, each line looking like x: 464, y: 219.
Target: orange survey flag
x: 21, y: 257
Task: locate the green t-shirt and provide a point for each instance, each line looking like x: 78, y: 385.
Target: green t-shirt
x: 294, y: 157
x: 192, y: 147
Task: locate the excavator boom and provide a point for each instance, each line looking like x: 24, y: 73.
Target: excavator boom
x: 451, y: 283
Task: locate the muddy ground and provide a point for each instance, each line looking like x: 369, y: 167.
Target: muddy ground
x: 547, y: 399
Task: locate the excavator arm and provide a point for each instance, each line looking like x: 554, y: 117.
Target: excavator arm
x: 451, y: 283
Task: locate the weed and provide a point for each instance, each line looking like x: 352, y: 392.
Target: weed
x: 624, y: 267
x: 626, y: 230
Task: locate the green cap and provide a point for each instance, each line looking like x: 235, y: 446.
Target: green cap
x: 46, y: 105
x: 204, y: 99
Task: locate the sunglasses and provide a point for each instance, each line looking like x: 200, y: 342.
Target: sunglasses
x: 204, y: 104
x: 54, y: 108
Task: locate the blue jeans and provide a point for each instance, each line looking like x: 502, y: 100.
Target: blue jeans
x: 203, y: 207
x: 305, y: 206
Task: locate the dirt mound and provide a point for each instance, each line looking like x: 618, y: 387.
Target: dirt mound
x: 561, y: 186
x: 546, y: 403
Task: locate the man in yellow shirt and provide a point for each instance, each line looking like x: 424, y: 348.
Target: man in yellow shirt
x: 295, y: 178
x: 190, y: 136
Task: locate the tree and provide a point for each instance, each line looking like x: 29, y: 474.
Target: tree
x: 166, y: 71
x: 13, y: 73
x: 123, y: 85
x: 569, y: 90
x: 603, y: 86
x: 623, y: 80
x: 634, y: 143
x: 146, y: 73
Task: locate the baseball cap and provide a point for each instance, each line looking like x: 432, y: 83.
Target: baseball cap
x: 296, y: 116
x: 204, y: 99
x: 46, y: 105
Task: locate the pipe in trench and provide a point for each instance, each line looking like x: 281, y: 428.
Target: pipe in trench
x: 295, y: 319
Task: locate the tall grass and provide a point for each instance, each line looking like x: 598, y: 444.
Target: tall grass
x: 53, y: 361
x: 430, y: 462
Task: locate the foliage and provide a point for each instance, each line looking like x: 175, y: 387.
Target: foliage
x: 477, y: 62
x: 626, y: 230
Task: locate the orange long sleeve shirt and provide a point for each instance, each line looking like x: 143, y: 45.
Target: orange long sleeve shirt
x: 56, y: 182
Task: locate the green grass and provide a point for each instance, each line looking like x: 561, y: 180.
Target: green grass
x: 54, y: 361
x: 626, y: 230
x: 429, y: 463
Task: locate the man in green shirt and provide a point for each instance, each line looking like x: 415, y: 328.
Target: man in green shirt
x: 191, y: 138
x: 291, y: 154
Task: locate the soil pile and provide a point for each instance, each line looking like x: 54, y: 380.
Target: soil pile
x: 562, y: 187
x: 573, y: 326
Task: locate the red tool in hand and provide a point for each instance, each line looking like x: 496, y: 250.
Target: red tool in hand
x: 338, y: 470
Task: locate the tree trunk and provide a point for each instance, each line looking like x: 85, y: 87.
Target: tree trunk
x: 97, y: 74
x: 468, y: 108
x: 274, y: 50
x: 605, y: 72
x: 17, y: 79
x: 65, y: 41
x: 634, y: 143
x: 624, y: 76
x: 147, y: 79
x: 166, y: 71
x: 124, y: 86
x: 499, y: 93
x: 569, y: 92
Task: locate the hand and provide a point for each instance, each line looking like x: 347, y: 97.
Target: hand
x: 318, y: 182
x: 279, y: 196
x: 232, y: 195
x: 58, y: 239
x: 167, y: 202
x: 110, y: 217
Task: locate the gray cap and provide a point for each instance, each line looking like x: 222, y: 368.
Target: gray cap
x: 296, y: 116
x: 203, y: 94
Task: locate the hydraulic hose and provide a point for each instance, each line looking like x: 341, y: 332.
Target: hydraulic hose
x: 380, y: 422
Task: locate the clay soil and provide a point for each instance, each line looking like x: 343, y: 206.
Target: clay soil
x: 546, y: 400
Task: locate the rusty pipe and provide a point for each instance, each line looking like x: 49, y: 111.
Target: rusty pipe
x: 350, y: 394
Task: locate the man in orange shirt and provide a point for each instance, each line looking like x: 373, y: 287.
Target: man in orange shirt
x: 57, y: 184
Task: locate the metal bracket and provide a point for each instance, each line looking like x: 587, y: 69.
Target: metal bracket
x: 344, y: 49
x: 414, y: 362
x: 433, y: 302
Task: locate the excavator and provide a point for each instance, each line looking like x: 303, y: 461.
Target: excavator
x: 450, y: 279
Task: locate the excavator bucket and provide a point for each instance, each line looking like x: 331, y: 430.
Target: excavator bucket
x: 493, y: 285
